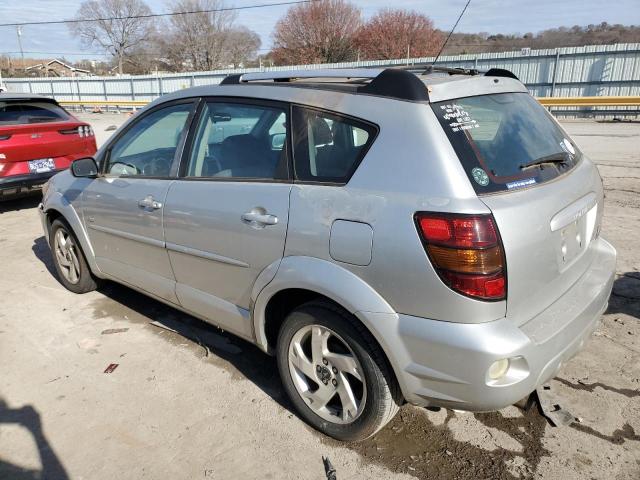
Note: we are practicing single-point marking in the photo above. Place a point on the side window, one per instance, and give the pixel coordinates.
(149, 146)
(328, 147)
(236, 140)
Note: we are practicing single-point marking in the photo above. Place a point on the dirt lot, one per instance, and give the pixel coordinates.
(199, 403)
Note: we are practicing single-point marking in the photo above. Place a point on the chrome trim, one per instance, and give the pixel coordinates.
(206, 255)
(128, 236)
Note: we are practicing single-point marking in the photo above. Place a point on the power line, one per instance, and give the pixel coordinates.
(155, 15)
(101, 54)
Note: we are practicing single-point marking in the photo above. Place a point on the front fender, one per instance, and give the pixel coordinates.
(57, 202)
(326, 278)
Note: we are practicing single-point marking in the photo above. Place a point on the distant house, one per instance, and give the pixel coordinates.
(56, 68)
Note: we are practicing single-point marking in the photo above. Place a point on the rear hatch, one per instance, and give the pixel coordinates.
(545, 196)
(37, 130)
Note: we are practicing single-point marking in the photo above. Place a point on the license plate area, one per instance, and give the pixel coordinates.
(571, 241)
(41, 165)
(576, 237)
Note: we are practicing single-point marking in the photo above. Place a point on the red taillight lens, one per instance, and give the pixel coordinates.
(480, 286)
(466, 252)
(472, 231)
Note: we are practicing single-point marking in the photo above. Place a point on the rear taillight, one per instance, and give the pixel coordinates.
(466, 251)
(82, 131)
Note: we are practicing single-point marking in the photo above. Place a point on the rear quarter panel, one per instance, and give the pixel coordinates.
(410, 167)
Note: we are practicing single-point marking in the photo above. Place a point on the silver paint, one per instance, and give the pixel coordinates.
(215, 250)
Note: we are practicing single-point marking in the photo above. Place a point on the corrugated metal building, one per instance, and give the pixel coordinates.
(597, 70)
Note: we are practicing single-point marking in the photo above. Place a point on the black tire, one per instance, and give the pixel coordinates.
(382, 392)
(86, 282)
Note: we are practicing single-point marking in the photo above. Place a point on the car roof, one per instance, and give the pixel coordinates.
(414, 84)
(11, 96)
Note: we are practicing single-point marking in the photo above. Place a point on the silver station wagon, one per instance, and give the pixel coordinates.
(429, 237)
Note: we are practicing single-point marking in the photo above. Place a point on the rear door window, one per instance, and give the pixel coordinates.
(240, 141)
(506, 141)
(19, 113)
(328, 147)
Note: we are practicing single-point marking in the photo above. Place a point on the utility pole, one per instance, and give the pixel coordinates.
(19, 32)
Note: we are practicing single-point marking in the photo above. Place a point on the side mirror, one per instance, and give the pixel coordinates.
(84, 168)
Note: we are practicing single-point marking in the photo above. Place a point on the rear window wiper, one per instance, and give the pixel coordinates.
(560, 157)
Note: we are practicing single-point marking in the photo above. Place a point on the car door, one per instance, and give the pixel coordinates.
(226, 216)
(123, 206)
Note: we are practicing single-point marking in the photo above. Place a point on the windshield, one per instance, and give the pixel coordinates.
(506, 141)
(18, 113)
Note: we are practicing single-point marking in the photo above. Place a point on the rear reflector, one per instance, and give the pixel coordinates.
(466, 251)
(480, 286)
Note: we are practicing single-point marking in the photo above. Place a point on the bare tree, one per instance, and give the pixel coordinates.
(118, 35)
(398, 33)
(317, 32)
(207, 40)
(242, 45)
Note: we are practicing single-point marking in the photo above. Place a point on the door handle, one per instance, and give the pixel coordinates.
(150, 203)
(259, 218)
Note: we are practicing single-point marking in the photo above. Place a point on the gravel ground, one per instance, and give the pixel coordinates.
(189, 401)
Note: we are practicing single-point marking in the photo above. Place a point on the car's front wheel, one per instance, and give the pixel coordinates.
(334, 372)
(69, 260)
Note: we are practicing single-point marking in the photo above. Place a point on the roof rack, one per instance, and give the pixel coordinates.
(401, 83)
(500, 72)
(450, 70)
(492, 72)
(289, 75)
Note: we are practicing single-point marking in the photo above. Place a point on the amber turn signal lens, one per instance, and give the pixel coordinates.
(467, 260)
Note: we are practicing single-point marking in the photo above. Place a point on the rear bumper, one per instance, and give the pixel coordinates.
(16, 185)
(446, 364)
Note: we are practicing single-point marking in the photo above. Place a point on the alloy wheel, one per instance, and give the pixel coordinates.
(67, 256)
(326, 374)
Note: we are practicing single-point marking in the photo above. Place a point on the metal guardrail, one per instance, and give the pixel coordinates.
(604, 101)
(621, 101)
(103, 103)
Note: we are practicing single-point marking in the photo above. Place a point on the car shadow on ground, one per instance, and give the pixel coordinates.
(22, 203)
(42, 252)
(241, 358)
(29, 418)
(625, 297)
(225, 349)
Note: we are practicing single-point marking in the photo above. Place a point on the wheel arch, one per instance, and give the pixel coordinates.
(301, 279)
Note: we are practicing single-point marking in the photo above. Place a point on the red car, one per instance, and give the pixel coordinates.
(38, 138)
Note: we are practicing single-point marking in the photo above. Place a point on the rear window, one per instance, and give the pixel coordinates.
(506, 141)
(18, 113)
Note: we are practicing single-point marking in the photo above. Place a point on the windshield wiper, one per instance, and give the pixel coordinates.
(560, 157)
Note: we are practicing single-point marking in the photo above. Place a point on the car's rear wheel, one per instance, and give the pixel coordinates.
(334, 372)
(69, 260)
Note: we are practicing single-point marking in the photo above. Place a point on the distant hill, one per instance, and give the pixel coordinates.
(600, 34)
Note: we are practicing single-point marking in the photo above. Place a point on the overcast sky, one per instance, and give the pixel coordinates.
(495, 16)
